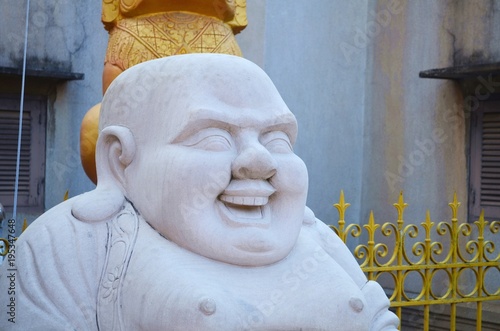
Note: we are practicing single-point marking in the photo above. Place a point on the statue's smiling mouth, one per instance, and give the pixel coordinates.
(245, 212)
(244, 203)
(243, 215)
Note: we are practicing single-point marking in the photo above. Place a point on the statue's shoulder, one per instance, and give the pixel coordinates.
(57, 217)
(60, 219)
(321, 233)
(316, 230)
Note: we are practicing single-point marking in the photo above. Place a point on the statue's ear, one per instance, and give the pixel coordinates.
(114, 151)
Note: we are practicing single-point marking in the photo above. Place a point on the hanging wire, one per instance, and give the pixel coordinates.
(21, 110)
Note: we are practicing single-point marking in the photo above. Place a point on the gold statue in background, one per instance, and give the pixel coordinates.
(142, 30)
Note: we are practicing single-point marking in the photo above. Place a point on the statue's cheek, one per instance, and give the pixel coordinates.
(291, 175)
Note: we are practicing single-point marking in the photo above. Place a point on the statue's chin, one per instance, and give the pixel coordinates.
(254, 252)
(232, 233)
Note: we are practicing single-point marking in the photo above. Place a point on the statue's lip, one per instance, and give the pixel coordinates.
(244, 202)
(245, 215)
(247, 192)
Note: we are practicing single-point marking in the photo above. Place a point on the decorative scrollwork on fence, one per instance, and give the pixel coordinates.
(6, 243)
(428, 263)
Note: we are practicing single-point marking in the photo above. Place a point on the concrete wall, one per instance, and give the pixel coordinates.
(65, 36)
(473, 26)
(73, 99)
(412, 144)
(416, 130)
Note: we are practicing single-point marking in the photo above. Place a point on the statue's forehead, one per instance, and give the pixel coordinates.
(237, 116)
(222, 91)
(232, 99)
(178, 91)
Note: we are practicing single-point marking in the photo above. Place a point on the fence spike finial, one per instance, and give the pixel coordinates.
(400, 206)
(341, 206)
(454, 206)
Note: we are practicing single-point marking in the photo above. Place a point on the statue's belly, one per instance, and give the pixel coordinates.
(290, 296)
(308, 290)
(320, 297)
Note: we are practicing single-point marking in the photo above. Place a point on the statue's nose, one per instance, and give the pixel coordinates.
(254, 162)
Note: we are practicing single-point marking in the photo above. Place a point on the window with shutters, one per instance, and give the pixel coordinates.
(485, 161)
(32, 156)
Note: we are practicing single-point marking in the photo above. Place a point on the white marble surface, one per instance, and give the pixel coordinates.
(198, 221)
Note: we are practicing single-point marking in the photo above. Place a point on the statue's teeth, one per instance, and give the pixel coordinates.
(244, 201)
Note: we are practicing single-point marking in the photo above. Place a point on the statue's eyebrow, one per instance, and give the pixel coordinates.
(207, 118)
(288, 127)
(196, 125)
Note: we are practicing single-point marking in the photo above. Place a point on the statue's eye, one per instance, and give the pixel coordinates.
(215, 140)
(277, 142)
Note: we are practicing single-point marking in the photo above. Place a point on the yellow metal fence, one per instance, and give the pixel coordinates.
(426, 264)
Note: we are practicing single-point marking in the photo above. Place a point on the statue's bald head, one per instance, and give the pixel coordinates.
(151, 96)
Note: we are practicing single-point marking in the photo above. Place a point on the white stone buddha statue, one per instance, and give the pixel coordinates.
(198, 221)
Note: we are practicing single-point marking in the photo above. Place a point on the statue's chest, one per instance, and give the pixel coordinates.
(305, 291)
(304, 295)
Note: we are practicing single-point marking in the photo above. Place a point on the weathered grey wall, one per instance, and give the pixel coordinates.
(64, 36)
(412, 144)
(57, 32)
(416, 129)
(474, 27)
(73, 99)
(251, 40)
